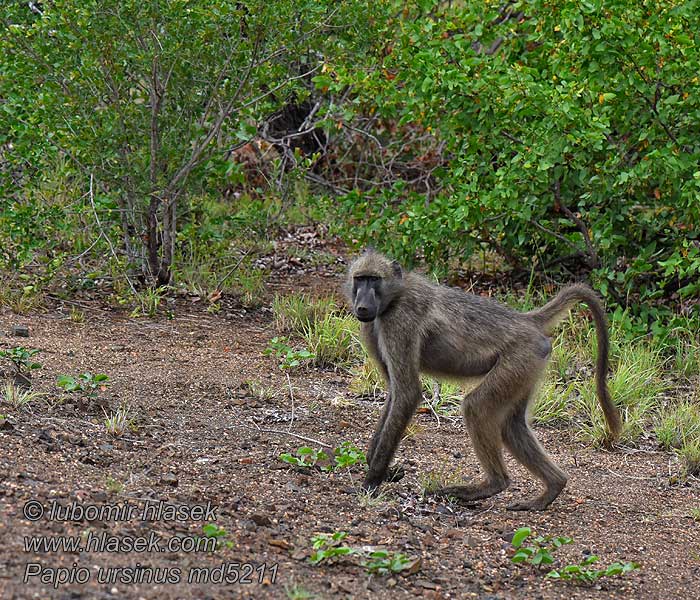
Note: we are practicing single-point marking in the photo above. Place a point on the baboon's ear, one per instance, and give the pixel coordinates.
(396, 268)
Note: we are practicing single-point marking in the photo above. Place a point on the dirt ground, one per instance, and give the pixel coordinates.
(205, 443)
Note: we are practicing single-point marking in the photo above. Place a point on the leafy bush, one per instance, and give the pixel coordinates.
(143, 105)
(555, 130)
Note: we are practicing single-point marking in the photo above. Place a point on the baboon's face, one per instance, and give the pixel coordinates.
(366, 297)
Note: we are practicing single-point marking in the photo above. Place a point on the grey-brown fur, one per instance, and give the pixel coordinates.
(414, 326)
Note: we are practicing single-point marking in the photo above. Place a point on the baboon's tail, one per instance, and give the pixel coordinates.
(549, 316)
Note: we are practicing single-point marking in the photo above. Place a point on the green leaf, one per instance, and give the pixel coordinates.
(520, 535)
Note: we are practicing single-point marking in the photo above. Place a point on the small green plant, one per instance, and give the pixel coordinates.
(344, 456)
(375, 561)
(347, 454)
(296, 592)
(17, 397)
(583, 574)
(87, 383)
(328, 547)
(118, 422)
(289, 357)
(76, 315)
(540, 551)
(383, 562)
(305, 457)
(695, 514)
(211, 530)
(114, 486)
(148, 301)
(21, 359)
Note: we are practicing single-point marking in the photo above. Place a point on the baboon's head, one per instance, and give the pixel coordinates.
(374, 282)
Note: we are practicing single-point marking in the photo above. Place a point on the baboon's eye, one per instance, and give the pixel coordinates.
(373, 279)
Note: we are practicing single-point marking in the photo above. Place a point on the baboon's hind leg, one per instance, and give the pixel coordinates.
(521, 442)
(483, 421)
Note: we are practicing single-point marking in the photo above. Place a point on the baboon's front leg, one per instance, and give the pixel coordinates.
(395, 472)
(405, 394)
(378, 431)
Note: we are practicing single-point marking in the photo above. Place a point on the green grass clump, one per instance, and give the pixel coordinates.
(295, 313)
(333, 340)
(250, 286)
(689, 454)
(686, 358)
(17, 397)
(332, 337)
(678, 430)
(554, 403)
(636, 386)
(678, 424)
(366, 380)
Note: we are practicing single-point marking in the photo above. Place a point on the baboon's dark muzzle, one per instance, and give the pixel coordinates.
(365, 314)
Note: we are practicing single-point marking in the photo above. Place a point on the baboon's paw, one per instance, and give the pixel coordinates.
(396, 472)
(371, 484)
(468, 493)
(535, 504)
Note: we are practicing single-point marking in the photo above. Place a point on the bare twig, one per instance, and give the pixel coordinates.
(291, 395)
(286, 433)
(434, 401)
(233, 269)
(102, 231)
(593, 255)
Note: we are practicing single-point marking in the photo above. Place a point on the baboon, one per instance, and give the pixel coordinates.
(411, 326)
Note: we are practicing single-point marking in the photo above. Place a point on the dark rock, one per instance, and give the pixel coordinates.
(21, 380)
(261, 520)
(20, 331)
(169, 479)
